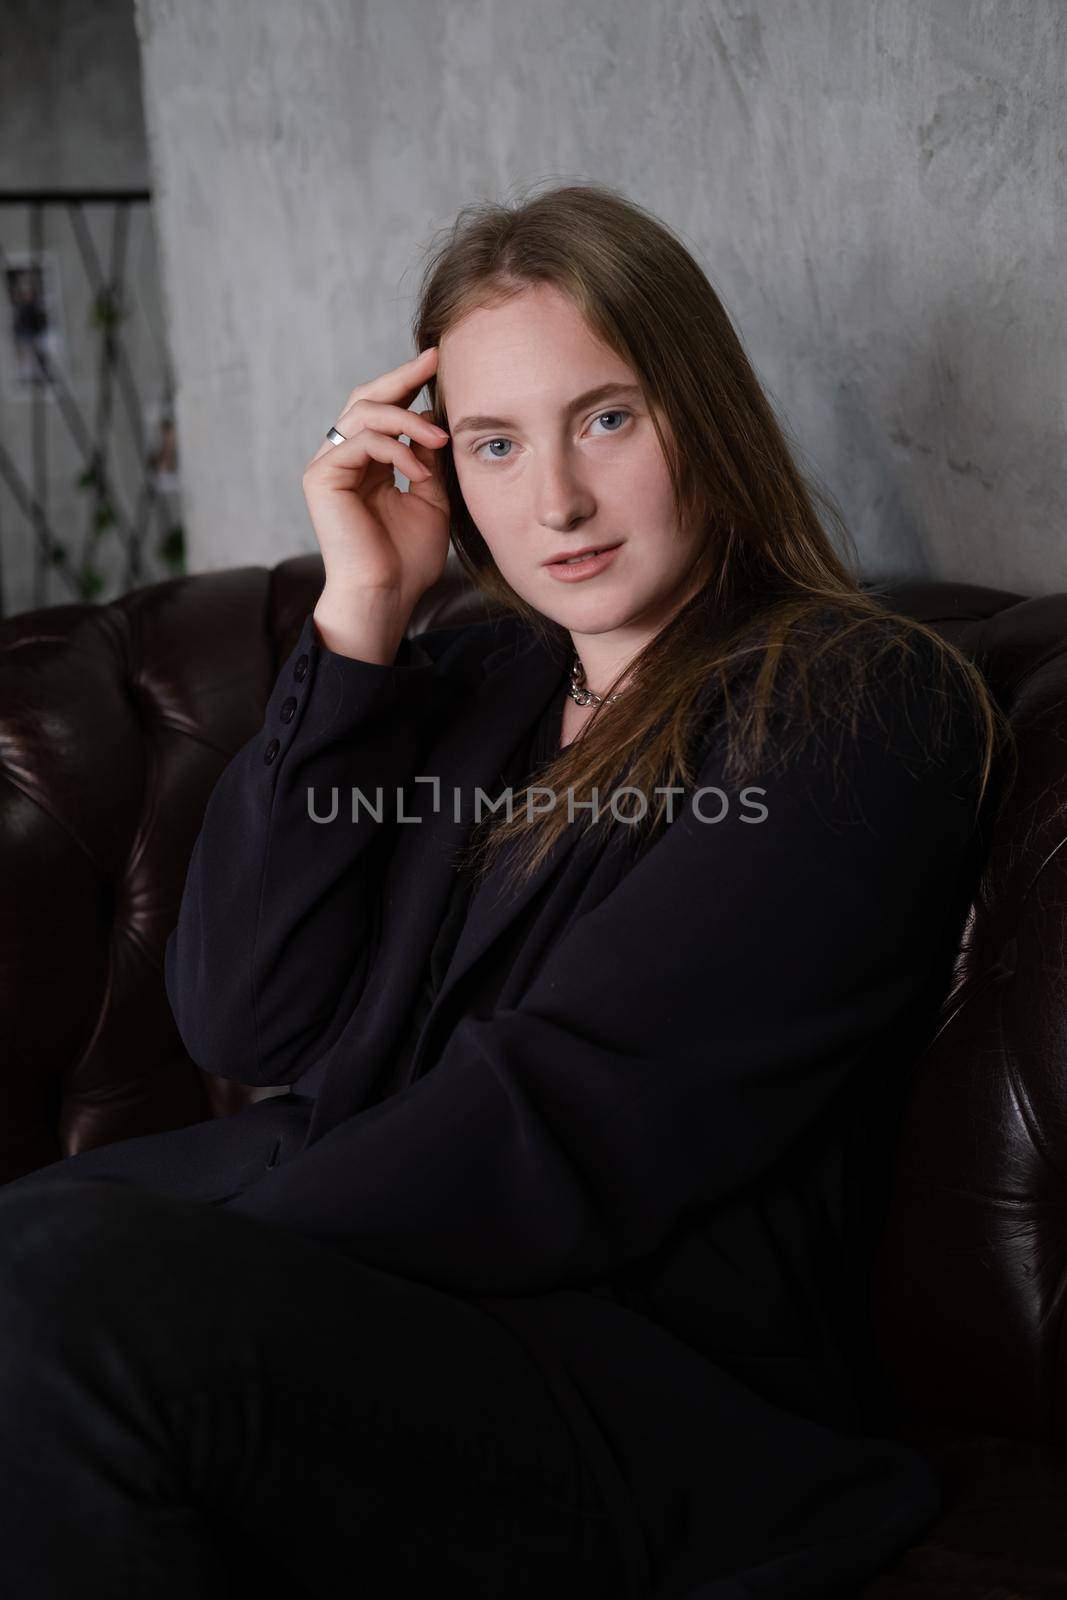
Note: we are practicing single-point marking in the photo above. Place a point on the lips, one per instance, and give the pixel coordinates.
(583, 568)
(588, 550)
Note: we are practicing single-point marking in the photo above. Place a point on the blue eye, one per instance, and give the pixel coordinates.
(612, 414)
(485, 445)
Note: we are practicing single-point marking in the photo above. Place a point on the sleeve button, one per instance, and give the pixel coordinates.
(300, 668)
(288, 707)
(271, 751)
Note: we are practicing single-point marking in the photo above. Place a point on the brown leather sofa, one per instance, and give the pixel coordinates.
(115, 722)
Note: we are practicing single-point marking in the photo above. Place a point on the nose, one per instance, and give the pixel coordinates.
(563, 500)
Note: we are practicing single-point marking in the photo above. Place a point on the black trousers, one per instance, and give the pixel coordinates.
(194, 1405)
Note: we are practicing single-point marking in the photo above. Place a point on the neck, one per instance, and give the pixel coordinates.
(605, 655)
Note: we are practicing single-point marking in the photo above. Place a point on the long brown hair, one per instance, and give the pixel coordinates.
(769, 579)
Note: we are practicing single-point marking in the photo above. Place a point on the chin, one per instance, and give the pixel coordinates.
(595, 618)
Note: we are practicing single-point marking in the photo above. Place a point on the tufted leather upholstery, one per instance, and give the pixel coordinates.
(115, 722)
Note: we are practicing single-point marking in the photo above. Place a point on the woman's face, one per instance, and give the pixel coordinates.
(546, 472)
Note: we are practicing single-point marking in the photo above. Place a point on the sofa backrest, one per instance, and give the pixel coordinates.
(115, 722)
(969, 1287)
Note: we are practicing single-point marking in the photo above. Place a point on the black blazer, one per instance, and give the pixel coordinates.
(649, 1159)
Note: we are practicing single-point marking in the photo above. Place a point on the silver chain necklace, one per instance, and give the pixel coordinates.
(584, 697)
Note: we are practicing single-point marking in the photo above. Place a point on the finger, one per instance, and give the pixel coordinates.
(431, 488)
(415, 372)
(363, 447)
(392, 419)
(387, 420)
(428, 455)
(402, 382)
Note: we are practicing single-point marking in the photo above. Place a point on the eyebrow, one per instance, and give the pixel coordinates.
(603, 391)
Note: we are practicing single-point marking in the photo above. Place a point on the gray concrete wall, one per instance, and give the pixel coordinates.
(876, 191)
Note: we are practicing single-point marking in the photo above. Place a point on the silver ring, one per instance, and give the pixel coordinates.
(335, 437)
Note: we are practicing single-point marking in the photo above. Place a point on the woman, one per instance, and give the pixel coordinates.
(547, 1274)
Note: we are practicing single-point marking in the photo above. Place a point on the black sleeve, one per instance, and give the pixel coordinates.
(266, 951)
